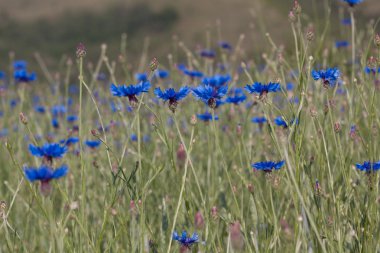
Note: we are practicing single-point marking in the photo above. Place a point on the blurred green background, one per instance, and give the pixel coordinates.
(54, 27)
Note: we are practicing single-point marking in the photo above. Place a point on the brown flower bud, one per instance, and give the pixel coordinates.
(23, 118)
(81, 50)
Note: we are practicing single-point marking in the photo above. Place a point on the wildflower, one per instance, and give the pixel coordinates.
(58, 110)
(268, 166)
(225, 45)
(55, 123)
(192, 73)
(141, 77)
(45, 175)
(92, 144)
(210, 95)
(23, 76)
(207, 116)
(48, 151)
(216, 80)
(238, 97)
(259, 120)
(368, 167)
(185, 241)
(70, 141)
(263, 89)
(72, 118)
(40, 109)
(172, 96)
(369, 70)
(130, 91)
(81, 50)
(328, 76)
(134, 137)
(352, 3)
(162, 74)
(341, 43)
(20, 64)
(207, 53)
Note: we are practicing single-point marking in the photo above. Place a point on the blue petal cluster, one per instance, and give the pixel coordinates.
(328, 76)
(92, 144)
(172, 96)
(209, 94)
(367, 166)
(263, 89)
(259, 120)
(237, 98)
(268, 165)
(216, 80)
(184, 240)
(352, 3)
(207, 116)
(44, 173)
(130, 91)
(48, 150)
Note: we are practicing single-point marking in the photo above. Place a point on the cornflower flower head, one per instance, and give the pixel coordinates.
(130, 91)
(55, 123)
(22, 76)
(207, 116)
(172, 96)
(208, 53)
(237, 98)
(45, 174)
(368, 166)
(259, 120)
(48, 151)
(184, 240)
(352, 3)
(263, 89)
(192, 73)
(141, 77)
(329, 76)
(162, 74)
(216, 80)
(369, 70)
(341, 44)
(72, 118)
(20, 64)
(279, 121)
(268, 166)
(225, 45)
(92, 144)
(58, 110)
(40, 109)
(209, 94)
(70, 141)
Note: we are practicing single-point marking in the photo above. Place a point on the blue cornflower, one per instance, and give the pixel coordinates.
(328, 76)
(72, 118)
(23, 76)
(207, 116)
(20, 64)
(2, 75)
(13, 103)
(238, 97)
(369, 70)
(341, 43)
(48, 151)
(279, 121)
(290, 86)
(134, 137)
(58, 110)
(210, 95)
(263, 89)
(184, 240)
(259, 120)
(162, 74)
(193, 73)
(92, 144)
(216, 80)
(130, 91)
(40, 109)
(352, 3)
(55, 123)
(225, 45)
(44, 173)
(368, 167)
(141, 77)
(172, 96)
(208, 53)
(70, 141)
(268, 166)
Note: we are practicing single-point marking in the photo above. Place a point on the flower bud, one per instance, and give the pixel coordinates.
(23, 118)
(81, 50)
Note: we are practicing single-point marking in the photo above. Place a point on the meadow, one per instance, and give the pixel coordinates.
(211, 149)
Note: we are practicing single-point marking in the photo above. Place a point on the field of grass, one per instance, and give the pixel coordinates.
(121, 170)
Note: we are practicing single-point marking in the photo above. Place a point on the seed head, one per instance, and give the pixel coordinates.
(81, 50)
